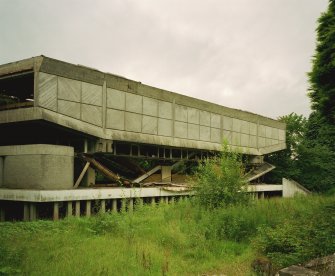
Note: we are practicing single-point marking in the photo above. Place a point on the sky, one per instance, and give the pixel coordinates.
(244, 54)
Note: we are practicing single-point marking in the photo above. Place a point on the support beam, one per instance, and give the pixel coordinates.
(146, 175)
(55, 211)
(69, 209)
(114, 205)
(77, 208)
(32, 211)
(25, 211)
(131, 205)
(166, 173)
(81, 176)
(103, 206)
(88, 208)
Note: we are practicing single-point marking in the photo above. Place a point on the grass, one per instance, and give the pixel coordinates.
(179, 239)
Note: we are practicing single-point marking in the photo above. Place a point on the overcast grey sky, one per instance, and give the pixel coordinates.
(247, 54)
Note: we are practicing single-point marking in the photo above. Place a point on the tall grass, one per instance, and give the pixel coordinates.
(174, 239)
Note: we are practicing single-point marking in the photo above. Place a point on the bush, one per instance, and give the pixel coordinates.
(219, 181)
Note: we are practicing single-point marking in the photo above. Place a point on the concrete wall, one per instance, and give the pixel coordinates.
(44, 167)
(292, 188)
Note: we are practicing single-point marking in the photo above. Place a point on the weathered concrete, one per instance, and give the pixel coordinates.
(55, 211)
(37, 167)
(112, 107)
(292, 188)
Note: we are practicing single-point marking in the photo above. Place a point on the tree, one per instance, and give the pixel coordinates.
(322, 76)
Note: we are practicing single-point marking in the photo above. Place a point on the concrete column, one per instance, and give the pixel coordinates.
(88, 208)
(25, 211)
(166, 173)
(69, 209)
(77, 208)
(114, 205)
(89, 178)
(262, 195)
(55, 211)
(166, 200)
(2, 214)
(172, 200)
(103, 206)
(32, 211)
(153, 202)
(131, 205)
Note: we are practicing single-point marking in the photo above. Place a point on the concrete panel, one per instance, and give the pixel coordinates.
(134, 103)
(205, 133)
(245, 127)
(71, 109)
(268, 142)
(281, 134)
(91, 94)
(193, 116)
(69, 90)
(261, 142)
(47, 91)
(149, 125)
(116, 99)
(91, 114)
(39, 171)
(253, 141)
(216, 135)
(261, 131)
(237, 125)
(133, 122)
(164, 127)
(180, 129)
(193, 131)
(180, 113)
(165, 110)
(268, 132)
(215, 120)
(236, 138)
(227, 123)
(115, 119)
(150, 106)
(205, 118)
(227, 136)
(274, 133)
(253, 129)
(274, 142)
(244, 140)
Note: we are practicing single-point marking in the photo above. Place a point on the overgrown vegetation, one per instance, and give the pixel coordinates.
(172, 239)
(219, 180)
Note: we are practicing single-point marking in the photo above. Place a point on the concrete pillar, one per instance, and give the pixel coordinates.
(89, 178)
(166, 173)
(262, 195)
(172, 200)
(140, 201)
(153, 201)
(166, 200)
(69, 209)
(2, 214)
(114, 205)
(103, 206)
(55, 211)
(25, 211)
(131, 205)
(88, 208)
(77, 208)
(32, 211)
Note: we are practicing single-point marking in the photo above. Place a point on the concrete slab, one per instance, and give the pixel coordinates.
(91, 94)
(193, 115)
(205, 118)
(216, 135)
(205, 133)
(68, 108)
(150, 106)
(215, 120)
(180, 113)
(165, 110)
(245, 127)
(69, 90)
(244, 140)
(133, 122)
(149, 125)
(116, 99)
(115, 119)
(47, 91)
(237, 125)
(193, 132)
(180, 129)
(164, 127)
(134, 103)
(227, 123)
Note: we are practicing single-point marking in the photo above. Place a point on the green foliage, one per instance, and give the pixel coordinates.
(219, 180)
(286, 160)
(322, 90)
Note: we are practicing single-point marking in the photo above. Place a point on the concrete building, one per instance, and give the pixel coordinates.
(53, 112)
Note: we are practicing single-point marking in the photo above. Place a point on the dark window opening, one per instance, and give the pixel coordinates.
(17, 90)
